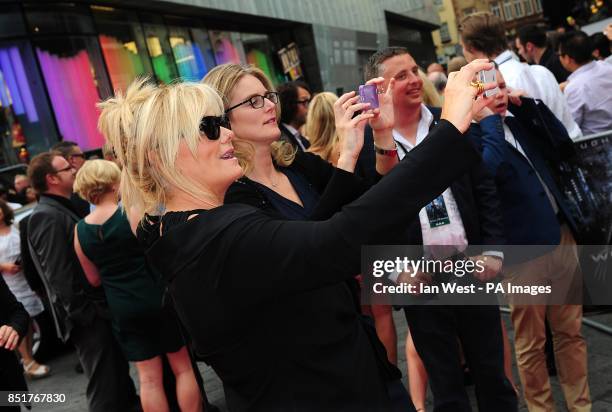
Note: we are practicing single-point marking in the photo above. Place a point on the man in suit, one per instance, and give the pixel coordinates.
(294, 101)
(465, 214)
(79, 311)
(535, 213)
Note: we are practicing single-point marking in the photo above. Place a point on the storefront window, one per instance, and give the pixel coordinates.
(228, 47)
(123, 46)
(188, 56)
(159, 48)
(258, 52)
(74, 74)
(25, 119)
(200, 37)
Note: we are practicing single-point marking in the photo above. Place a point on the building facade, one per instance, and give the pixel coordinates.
(57, 59)
(514, 13)
(446, 38)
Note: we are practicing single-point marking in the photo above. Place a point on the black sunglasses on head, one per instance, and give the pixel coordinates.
(211, 126)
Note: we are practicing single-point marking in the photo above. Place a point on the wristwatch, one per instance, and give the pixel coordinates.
(385, 152)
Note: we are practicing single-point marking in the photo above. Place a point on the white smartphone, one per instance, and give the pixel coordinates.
(489, 76)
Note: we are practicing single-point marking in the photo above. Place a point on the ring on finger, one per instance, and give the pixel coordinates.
(478, 85)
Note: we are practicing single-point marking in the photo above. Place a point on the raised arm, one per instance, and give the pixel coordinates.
(272, 257)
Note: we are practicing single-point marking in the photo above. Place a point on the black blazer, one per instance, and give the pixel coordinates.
(287, 136)
(51, 243)
(231, 269)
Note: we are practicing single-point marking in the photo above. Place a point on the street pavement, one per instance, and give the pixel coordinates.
(65, 380)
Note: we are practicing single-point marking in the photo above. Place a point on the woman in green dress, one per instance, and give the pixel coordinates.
(112, 257)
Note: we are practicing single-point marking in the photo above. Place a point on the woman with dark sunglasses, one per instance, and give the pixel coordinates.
(231, 268)
(297, 185)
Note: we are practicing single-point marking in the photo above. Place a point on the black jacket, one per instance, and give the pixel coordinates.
(13, 314)
(231, 268)
(51, 241)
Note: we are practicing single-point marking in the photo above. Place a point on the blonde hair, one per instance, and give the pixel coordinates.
(145, 128)
(224, 79)
(95, 178)
(431, 97)
(321, 125)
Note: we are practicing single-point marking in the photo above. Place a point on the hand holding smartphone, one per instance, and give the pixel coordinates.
(368, 93)
(489, 76)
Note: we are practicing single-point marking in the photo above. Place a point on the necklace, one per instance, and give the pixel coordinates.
(273, 183)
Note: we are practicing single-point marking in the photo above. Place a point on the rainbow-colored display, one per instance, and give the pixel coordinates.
(123, 62)
(14, 86)
(74, 95)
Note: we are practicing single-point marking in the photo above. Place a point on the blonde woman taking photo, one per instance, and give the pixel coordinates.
(230, 267)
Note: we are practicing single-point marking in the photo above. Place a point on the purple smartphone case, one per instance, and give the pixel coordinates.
(369, 94)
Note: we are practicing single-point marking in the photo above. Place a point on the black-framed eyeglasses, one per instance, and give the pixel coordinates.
(257, 101)
(81, 155)
(305, 102)
(65, 169)
(211, 126)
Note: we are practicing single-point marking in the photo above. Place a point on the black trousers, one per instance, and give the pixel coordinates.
(109, 386)
(437, 331)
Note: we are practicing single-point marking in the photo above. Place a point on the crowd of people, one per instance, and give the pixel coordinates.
(226, 222)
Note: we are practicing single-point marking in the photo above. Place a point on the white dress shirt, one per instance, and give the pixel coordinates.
(589, 96)
(538, 82)
(451, 234)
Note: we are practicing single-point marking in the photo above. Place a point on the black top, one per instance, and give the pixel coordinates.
(231, 268)
(288, 208)
(12, 313)
(334, 187)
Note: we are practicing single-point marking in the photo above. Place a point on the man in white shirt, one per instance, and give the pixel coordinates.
(466, 212)
(589, 88)
(483, 37)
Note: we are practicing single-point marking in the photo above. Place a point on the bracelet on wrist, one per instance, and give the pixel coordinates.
(385, 152)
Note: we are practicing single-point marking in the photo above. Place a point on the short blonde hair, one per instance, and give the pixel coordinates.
(224, 79)
(321, 125)
(95, 178)
(145, 128)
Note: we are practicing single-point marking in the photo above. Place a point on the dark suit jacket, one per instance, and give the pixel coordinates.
(287, 136)
(51, 242)
(528, 216)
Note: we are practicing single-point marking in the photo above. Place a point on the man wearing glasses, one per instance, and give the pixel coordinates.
(75, 156)
(79, 310)
(294, 100)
